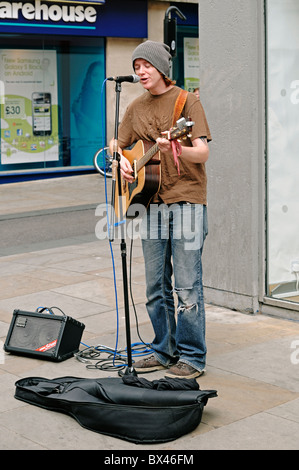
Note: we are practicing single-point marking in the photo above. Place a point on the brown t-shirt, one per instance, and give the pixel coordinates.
(149, 115)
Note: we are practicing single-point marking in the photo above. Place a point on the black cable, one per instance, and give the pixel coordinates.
(114, 360)
(49, 309)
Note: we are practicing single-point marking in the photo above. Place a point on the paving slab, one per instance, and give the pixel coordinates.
(252, 360)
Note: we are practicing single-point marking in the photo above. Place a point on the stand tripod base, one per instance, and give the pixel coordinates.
(128, 371)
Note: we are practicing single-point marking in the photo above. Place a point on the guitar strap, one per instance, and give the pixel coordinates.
(179, 105)
(178, 108)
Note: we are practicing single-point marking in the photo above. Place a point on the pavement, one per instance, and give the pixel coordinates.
(253, 360)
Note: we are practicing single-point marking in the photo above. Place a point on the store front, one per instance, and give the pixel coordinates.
(282, 41)
(52, 70)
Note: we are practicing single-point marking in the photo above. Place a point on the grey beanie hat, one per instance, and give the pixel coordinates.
(156, 53)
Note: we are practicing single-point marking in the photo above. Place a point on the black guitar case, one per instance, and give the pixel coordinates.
(138, 411)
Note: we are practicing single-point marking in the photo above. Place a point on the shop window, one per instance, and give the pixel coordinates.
(186, 62)
(51, 113)
(185, 68)
(282, 152)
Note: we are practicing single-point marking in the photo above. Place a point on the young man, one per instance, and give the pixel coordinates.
(172, 241)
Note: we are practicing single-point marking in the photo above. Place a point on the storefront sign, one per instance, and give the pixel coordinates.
(117, 18)
(44, 12)
(82, 1)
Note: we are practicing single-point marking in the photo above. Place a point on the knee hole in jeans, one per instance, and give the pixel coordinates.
(182, 294)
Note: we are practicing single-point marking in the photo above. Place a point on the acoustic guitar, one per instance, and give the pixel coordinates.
(145, 161)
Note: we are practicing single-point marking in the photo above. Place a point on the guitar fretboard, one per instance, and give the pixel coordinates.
(174, 133)
(147, 156)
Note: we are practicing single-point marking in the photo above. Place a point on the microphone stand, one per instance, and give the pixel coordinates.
(123, 246)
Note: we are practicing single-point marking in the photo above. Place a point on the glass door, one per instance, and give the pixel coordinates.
(283, 149)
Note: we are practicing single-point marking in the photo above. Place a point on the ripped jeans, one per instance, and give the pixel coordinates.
(172, 239)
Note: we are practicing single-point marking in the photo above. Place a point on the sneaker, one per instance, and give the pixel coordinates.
(149, 364)
(183, 371)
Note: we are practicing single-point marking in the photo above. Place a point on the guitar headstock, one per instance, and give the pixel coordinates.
(182, 128)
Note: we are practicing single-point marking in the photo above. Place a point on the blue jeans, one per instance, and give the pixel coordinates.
(172, 240)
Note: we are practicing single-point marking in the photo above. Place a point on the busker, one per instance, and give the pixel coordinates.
(172, 242)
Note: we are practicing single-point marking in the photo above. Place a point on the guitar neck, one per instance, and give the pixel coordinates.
(183, 128)
(147, 156)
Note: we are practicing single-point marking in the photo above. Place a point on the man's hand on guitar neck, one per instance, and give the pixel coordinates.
(164, 145)
(197, 153)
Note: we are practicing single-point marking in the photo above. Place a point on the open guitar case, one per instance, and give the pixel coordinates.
(132, 409)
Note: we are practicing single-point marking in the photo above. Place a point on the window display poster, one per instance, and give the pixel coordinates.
(29, 107)
(87, 122)
(191, 63)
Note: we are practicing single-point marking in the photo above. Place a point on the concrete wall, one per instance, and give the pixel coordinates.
(231, 62)
(118, 62)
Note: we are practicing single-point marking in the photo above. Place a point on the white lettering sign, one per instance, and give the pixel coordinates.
(41, 11)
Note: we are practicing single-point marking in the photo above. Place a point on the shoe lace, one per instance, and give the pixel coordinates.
(149, 358)
(182, 365)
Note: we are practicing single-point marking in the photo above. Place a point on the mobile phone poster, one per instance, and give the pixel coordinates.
(29, 106)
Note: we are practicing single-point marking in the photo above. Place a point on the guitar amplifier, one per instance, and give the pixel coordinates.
(43, 336)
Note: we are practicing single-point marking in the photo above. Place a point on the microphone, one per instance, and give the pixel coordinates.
(127, 78)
